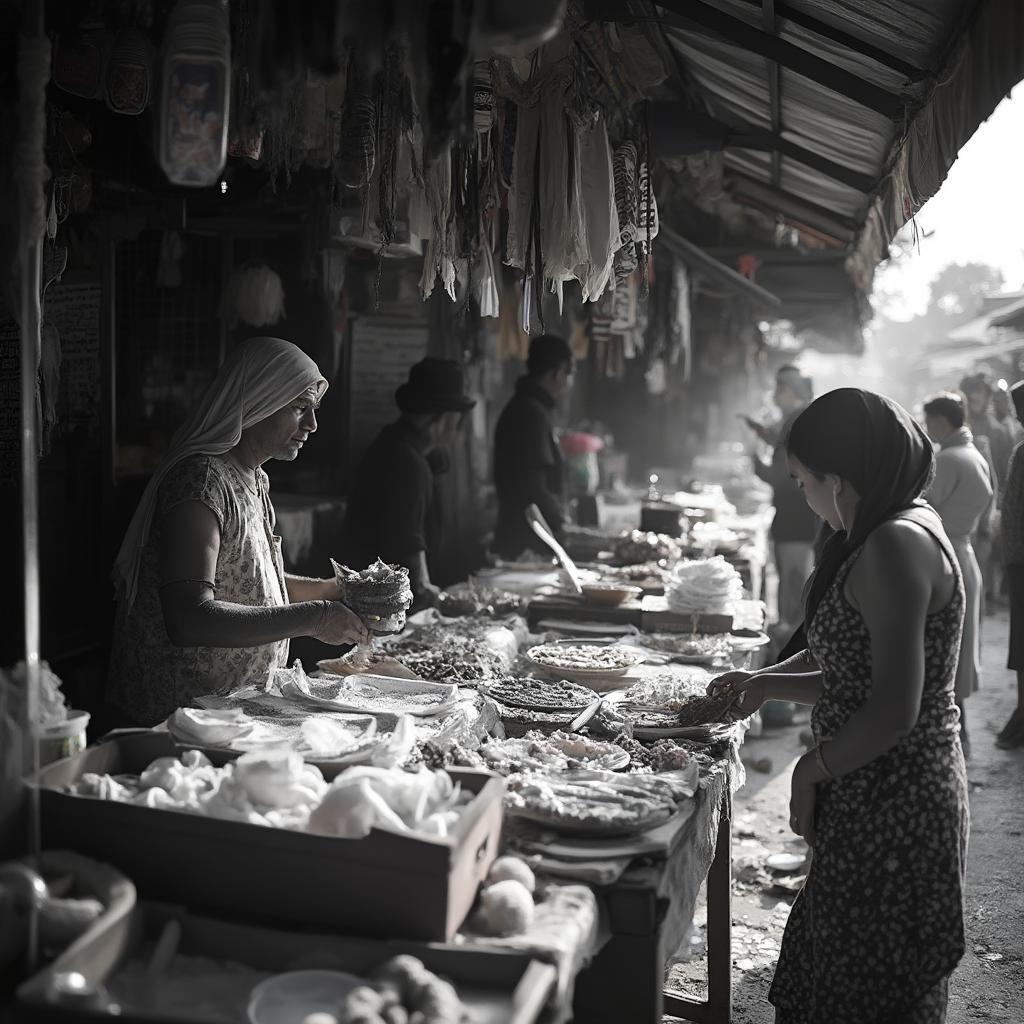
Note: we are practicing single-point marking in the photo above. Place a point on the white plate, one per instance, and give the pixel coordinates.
(585, 674)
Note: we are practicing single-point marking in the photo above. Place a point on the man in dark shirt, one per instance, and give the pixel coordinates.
(527, 460)
(795, 526)
(390, 502)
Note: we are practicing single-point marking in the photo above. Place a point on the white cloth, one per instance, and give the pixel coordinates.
(258, 379)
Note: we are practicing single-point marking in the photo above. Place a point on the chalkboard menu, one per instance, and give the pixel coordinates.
(383, 349)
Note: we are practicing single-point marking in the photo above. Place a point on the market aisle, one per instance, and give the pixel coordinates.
(989, 984)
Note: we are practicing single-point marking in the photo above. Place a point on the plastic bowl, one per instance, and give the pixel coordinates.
(64, 738)
(609, 594)
(290, 998)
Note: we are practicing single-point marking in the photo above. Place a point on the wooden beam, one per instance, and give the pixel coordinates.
(776, 200)
(697, 16)
(761, 140)
(677, 130)
(849, 42)
(774, 91)
(698, 260)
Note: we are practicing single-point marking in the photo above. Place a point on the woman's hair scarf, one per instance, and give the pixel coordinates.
(876, 445)
(260, 377)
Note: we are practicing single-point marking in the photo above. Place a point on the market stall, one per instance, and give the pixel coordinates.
(463, 780)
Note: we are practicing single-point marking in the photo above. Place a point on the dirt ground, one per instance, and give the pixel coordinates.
(988, 986)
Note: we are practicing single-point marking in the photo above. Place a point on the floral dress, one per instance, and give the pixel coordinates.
(878, 927)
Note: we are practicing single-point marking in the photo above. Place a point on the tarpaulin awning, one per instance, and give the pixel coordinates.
(841, 117)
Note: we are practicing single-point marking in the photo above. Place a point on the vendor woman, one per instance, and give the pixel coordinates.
(204, 603)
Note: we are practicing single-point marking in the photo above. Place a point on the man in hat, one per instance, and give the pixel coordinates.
(390, 501)
(527, 461)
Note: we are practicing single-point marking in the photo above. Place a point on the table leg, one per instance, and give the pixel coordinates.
(717, 1009)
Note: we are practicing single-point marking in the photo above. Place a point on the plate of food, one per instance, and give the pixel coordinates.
(557, 752)
(375, 695)
(541, 694)
(582, 660)
(695, 649)
(595, 803)
(693, 716)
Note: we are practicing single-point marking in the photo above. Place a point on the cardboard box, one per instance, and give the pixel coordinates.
(655, 617)
(497, 986)
(385, 885)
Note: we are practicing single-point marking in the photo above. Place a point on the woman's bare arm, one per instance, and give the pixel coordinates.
(189, 546)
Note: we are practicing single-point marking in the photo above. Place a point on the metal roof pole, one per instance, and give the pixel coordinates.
(774, 91)
(30, 174)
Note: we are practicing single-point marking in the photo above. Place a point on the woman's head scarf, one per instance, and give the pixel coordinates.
(876, 445)
(260, 377)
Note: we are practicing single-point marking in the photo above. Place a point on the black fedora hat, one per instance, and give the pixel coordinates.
(434, 386)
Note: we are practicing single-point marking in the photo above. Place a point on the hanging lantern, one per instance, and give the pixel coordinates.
(195, 93)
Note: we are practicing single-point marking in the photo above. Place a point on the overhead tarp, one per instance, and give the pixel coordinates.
(886, 92)
(988, 62)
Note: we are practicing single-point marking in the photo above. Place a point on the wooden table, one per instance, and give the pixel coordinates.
(625, 982)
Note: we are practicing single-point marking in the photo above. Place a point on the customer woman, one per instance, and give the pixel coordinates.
(204, 603)
(882, 797)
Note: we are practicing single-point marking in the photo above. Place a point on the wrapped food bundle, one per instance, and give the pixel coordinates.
(379, 594)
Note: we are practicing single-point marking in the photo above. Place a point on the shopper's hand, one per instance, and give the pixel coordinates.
(340, 625)
(802, 798)
(748, 687)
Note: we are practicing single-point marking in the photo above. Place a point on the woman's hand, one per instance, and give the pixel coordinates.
(340, 625)
(747, 686)
(802, 798)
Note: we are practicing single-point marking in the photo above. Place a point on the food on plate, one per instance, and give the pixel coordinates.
(585, 657)
(704, 585)
(506, 908)
(678, 712)
(660, 756)
(380, 593)
(639, 573)
(368, 694)
(668, 691)
(556, 752)
(512, 867)
(448, 659)
(699, 646)
(599, 803)
(644, 546)
(477, 599)
(543, 694)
